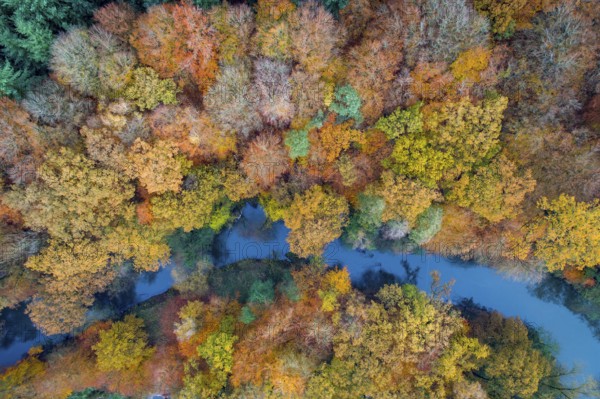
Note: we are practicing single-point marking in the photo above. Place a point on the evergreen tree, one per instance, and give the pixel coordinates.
(27, 30)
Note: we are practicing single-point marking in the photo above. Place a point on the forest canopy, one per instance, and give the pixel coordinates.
(371, 121)
(452, 125)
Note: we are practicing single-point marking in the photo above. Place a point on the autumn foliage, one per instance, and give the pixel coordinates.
(449, 124)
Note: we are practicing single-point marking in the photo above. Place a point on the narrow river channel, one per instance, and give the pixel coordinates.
(249, 238)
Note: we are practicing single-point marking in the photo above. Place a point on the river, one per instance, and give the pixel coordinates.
(251, 237)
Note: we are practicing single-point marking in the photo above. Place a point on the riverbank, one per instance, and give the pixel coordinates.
(252, 237)
(251, 298)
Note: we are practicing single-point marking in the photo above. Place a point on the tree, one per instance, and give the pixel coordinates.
(217, 352)
(72, 198)
(175, 40)
(404, 199)
(196, 44)
(470, 64)
(506, 16)
(336, 284)
(395, 230)
(21, 143)
(298, 142)
(108, 150)
(145, 245)
(432, 82)
(123, 346)
(347, 104)
(552, 58)
(65, 262)
(193, 207)
(470, 133)
(195, 281)
(557, 49)
(92, 61)
(246, 315)
(153, 37)
(116, 18)
(272, 82)
(402, 122)
(13, 82)
(328, 142)
(494, 191)
(26, 41)
(427, 225)
(158, 166)
(335, 6)
(451, 27)
(501, 14)
(52, 104)
(403, 335)
(515, 367)
(314, 36)
(91, 393)
(237, 185)
(571, 236)
(455, 137)
(147, 90)
(272, 36)
(469, 390)
(205, 4)
(194, 132)
(416, 157)
(365, 221)
(232, 102)
(235, 24)
(375, 60)
(265, 160)
(262, 292)
(308, 96)
(315, 218)
(14, 378)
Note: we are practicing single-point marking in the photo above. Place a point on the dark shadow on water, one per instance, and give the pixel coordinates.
(373, 279)
(555, 290)
(16, 326)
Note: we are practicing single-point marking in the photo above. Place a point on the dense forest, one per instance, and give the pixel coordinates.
(469, 128)
(279, 330)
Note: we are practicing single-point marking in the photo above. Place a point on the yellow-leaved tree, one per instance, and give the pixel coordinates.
(316, 218)
(405, 199)
(494, 191)
(572, 233)
(124, 346)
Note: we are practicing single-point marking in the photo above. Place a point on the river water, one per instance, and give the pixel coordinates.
(251, 237)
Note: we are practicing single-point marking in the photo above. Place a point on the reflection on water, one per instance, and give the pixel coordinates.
(578, 339)
(18, 334)
(550, 305)
(16, 327)
(553, 289)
